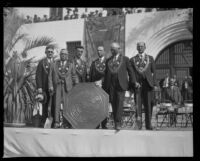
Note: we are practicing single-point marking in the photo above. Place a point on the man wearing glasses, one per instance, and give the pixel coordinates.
(42, 73)
(80, 65)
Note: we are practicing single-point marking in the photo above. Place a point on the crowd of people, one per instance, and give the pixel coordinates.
(74, 14)
(115, 75)
(172, 89)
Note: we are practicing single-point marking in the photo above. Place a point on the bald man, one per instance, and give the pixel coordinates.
(144, 69)
(62, 78)
(118, 75)
(97, 72)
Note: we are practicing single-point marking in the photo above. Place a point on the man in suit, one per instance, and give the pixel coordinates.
(97, 72)
(187, 88)
(144, 68)
(116, 81)
(165, 87)
(80, 65)
(176, 82)
(175, 97)
(62, 78)
(42, 73)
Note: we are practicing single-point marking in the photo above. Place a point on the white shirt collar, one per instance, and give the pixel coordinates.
(49, 60)
(63, 62)
(102, 59)
(116, 56)
(143, 54)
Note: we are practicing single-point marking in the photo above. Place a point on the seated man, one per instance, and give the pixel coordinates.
(175, 97)
(174, 93)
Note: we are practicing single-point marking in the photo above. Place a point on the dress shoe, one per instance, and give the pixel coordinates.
(150, 128)
(117, 126)
(56, 125)
(104, 127)
(139, 124)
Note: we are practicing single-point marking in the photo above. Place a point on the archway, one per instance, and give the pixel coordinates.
(175, 59)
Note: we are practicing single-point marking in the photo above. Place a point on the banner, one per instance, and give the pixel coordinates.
(102, 31)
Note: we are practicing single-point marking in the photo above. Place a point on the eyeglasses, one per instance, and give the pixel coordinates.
(49, 51)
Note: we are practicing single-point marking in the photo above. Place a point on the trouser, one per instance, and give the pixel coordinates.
(185, 95)
(144, 97)
(117, 104)
(165, 94)
(45, 109)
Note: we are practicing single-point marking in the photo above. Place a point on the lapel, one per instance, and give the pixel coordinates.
(100, 66)
(46, 65)
(79, 67)
(114, 65)
(141, 65)
(62, 69)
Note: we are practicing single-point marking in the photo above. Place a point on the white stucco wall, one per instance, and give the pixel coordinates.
(60, 31)
(156, 29)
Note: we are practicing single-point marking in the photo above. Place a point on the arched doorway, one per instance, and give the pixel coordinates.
(175, 59)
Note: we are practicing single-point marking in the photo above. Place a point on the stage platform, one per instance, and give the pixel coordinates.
(36, 142)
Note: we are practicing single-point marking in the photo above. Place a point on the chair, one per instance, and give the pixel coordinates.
(110, 120)
(188, 112)
(129, 112)
(163, 110)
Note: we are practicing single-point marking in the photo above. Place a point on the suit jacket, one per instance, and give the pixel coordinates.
(81, 71)
(147, 72)
(124, 73)
(97, 70)
(174, 95)
(65, 74)
(42, 73)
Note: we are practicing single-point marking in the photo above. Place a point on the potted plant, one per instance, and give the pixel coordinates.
(19, 82)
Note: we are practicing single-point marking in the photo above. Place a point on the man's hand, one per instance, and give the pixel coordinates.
(39, 90)
(137, 85)
(98, 83)
(51, 90)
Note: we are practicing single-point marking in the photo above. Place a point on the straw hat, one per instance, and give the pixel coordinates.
(41, 97)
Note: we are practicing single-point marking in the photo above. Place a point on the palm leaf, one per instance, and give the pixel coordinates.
(18, 38)
(38, 42)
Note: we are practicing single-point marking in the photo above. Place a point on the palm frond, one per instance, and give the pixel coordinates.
(18, 38)
(38, 42)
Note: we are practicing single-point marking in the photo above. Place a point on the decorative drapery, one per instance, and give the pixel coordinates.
(103, 31)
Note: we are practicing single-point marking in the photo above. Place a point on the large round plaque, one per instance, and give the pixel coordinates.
(87, 106)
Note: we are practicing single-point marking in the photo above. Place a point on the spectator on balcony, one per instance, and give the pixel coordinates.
(92, 14)
(76, 15)
(28, 19)
(38, 19)
(96, 14)
(45, 19)
(83, 15)
(35, 18)
(67, 16)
